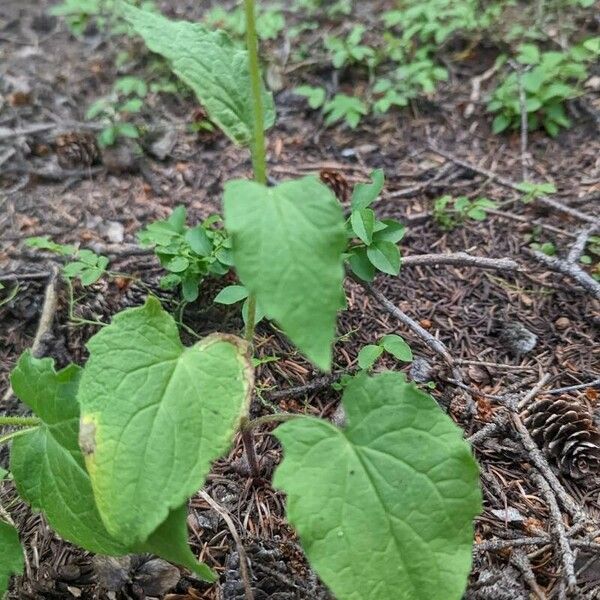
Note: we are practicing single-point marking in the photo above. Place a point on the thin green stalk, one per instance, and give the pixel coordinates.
(259, 160)
(19, 421)
(14, 434)
(258, 148)
(266, 419)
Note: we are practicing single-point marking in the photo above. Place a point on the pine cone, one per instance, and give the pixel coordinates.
(336, 182)
(564, 428)
(77, 149)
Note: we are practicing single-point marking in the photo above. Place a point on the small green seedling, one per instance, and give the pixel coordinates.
(349, 109)
(532, 190)
(549, 79)
(349, 50)
(315, 95)
(190, 254)
(392, 344)
(373, 242)
(232, 294)
(126, 100)
(85, 265)
(449, 212)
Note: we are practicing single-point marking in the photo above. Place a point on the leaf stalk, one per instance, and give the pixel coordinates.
(18, 421)
(258, 147)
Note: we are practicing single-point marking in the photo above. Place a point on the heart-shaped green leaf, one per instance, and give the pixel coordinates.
(211, 64)
(154, 415)
(49, 471)
(389, 514)
(47, 463)
(287, 249)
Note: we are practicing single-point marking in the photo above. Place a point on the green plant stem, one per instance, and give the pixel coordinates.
(249, 447)
(246, 427)
(258, 148)
(14, 434)
(19, 421)
(266, 419)
(251, 319)
(259, 160)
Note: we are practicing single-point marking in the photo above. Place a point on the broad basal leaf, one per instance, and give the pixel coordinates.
(47, 463)
(49, 470)
(155, 414)
(209, 62)
(388, 515)
(287, 249)
(11, 555)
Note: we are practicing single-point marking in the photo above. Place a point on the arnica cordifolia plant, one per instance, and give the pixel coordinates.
(115, 449)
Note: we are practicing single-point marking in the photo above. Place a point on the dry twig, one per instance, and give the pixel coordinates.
(46, 318)
(579, 246)
(567, 555)
(245, 572)
(567, 268)
(460, 259)
(513, 186)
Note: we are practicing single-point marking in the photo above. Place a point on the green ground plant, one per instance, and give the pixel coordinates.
(189, 254)
(117, 109)
(85, 265)
(450, 212)
(115, 449)
(548, 80)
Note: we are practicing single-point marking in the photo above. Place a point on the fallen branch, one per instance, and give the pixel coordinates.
(15, 276)
(567, 268)
(313, 386)
(433, 343)
(571, 388)
(520, 560)
(567, 556)
(541, 464)
(530, 222)
(579, 246)
(460, 259)
(514, 186)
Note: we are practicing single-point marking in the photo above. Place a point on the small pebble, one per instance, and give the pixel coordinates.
(421, 370)
(518, 339)
(562, 323)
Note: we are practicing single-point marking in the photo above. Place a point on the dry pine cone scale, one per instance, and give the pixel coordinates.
(565, 429)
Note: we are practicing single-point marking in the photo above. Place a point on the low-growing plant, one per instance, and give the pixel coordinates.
(269, 22)
(115, 449)
(437, 20)
(449, 212)
(349, 109)
(372, 242)
(126, 99)
(417, 77)
(532, 190)
(392, 344)
(548, 81)
(190, 254)
(316, 96)
(85, 265)
(350, 50)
